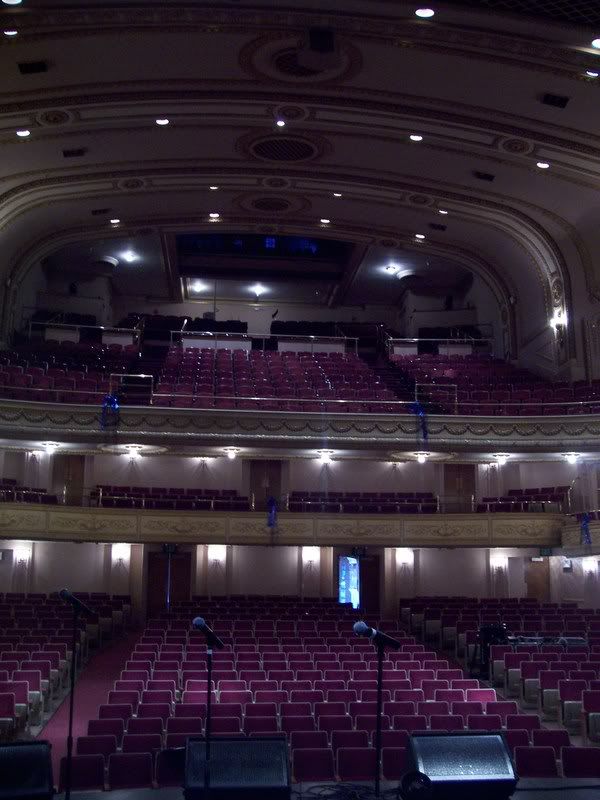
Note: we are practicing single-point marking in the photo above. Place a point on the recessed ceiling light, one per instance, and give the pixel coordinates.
(424, 13)
(258, 289)
(10, 33)
(213, 188)
(280, 123)
(595, 43)
(23, 134)
(214, 215)
(416, 137)
(324, 221)
(115, 221)
(162, 121)
(543, 165)
(129, 256)
(591, 73)
(419, 236)
(442, 211)
(12, 2)
(337, 194)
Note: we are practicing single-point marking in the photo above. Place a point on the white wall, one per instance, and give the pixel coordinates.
(167, 471)
(363, 476)
(77, 566)
(264, 570)
(461, 571)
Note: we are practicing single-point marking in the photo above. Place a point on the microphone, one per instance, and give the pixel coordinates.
(212, 640)
(77, 604)
(377, 637)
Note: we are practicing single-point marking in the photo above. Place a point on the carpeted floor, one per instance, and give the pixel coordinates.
(91, 690)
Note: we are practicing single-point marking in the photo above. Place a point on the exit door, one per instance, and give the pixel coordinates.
(537, 579)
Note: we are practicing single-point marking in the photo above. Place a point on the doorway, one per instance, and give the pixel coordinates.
(459, 488)
(370, 581)
(265, 482)
(537, 579)
(181, 580)
(68, 477)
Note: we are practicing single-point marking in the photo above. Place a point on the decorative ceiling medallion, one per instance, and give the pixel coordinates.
(271, 203)
(278, 148)
(276, 183)
(55, 116)
(291, 113)
(420, 199)
(517, 146)
(130, 184)
(279, 57)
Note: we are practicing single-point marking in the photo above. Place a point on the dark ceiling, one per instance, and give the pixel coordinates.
(574, 12)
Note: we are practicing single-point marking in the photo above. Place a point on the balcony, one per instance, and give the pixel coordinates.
(33, 521)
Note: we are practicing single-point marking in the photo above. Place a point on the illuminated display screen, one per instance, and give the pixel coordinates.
(349, 581)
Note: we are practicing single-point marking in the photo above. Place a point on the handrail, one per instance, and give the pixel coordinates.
(462, 340)
(309, 338)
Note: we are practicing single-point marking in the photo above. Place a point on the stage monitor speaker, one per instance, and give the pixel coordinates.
(26, 771)
(470, 765)
(240, 769)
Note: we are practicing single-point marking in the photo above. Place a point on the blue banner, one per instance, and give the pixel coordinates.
(109, 416)
(271, 512)
(586, 536)
(418, 410)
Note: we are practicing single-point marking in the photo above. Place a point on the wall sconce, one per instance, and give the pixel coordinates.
(501, 458)
(133, 451)
(217, 554)
(559, 324)
(310, 556)
(231, 452)
(589, 566)
(120, 554)
(50, 447)
(571, 458)
(498, 563)
(422, 457)
(325, 457)
(405, 557)
(22, 554)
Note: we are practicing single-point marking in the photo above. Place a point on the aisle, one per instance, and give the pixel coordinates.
(91, 690)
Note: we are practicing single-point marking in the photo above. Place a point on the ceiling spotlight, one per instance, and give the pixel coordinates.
(337, 194)
(595, 43)
(129, 256)
(213, 188)
(10, 33)
(543, 165)
(422, 457)
(23, 134)
(115, 221)
(214, 215)
(324, 221)
(419, 236)
(424, 13)
(442, 211)
(416, 137)
(258, 289)
(591, 73)
(162, 121)
(571, 458)
(280, 123)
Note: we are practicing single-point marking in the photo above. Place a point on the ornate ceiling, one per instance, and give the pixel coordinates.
(89, 83)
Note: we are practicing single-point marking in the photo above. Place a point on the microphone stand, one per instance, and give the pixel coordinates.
(209, 657)
(380, 652)
(69, 763)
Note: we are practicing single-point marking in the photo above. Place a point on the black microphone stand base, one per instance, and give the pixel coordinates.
(69, 762)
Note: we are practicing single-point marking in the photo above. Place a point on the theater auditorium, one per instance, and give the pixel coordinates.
(299, 399)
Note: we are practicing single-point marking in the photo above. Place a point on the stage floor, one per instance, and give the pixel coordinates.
(527, 789)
